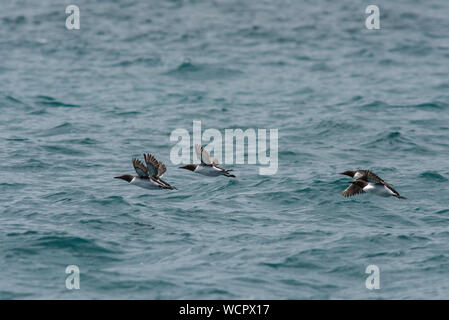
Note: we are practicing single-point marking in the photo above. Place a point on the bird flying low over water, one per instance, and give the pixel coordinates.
(209, 165)
(366, 181)
(149, 176)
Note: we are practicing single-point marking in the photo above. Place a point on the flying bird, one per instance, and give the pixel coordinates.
(209, 165)
(149, 176)
(366, 181)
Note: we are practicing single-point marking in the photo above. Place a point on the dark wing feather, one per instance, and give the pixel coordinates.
(352, 190)
(161, 169)
(156, 168)
(140, 168)
(152, 164)
(371, 177)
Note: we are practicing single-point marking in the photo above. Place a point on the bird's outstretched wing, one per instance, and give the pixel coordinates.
(161, 169)
(140, 168)
(204, 156)
(370, 176)
(352, 190)
(155, 168)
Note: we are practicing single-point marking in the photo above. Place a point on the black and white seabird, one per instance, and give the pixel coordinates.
(149, 176)
(366, 181)
(209, 165)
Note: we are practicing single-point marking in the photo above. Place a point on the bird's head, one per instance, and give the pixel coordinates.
(350, 173)
(190, 167)
(126, 177)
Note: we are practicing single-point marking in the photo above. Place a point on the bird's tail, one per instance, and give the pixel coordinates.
(226, 174)
(400, 197)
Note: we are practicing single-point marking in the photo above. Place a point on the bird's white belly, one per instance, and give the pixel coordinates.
(378, 190)
(208, 171)
(144, 183)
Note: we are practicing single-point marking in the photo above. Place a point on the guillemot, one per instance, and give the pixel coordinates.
(368, 182)
(149, 176)
(209, 165)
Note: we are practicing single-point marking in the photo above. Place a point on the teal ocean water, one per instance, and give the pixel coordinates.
(77, 105)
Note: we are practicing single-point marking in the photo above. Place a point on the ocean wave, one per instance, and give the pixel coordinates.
(189, 70)
(59, 149)
(432, 176)
(395, 140)
(77, 245)
(52, 102)
(146, 62)
(437, 105)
